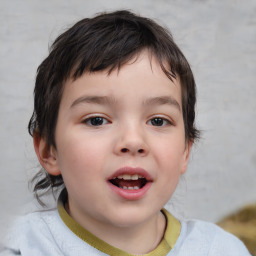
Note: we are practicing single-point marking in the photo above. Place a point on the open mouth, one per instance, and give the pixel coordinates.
(130, 182)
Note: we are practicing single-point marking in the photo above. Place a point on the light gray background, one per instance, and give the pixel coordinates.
(219, 40)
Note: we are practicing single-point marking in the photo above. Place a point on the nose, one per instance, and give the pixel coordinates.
(131, 141)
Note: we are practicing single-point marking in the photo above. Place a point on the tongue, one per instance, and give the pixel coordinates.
(129, 183)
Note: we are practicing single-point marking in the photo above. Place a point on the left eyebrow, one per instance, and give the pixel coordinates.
(163, 101)
(101, 100)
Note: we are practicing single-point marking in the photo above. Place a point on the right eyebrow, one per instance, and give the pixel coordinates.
(101, 100)
(164, 100)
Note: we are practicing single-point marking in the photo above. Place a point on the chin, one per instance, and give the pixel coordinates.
(127, 218)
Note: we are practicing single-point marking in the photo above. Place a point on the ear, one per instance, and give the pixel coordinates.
(186, 156)
(46, 155)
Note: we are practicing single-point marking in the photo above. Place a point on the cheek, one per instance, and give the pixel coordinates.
(80, 156)
(170, 152)
(170, 161)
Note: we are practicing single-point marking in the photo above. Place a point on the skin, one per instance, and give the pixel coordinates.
(87, 155)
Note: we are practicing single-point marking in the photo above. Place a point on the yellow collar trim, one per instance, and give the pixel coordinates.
(170, 237)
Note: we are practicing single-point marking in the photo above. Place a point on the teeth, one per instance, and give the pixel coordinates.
(135, 177)
(130, 188)
(129, 177)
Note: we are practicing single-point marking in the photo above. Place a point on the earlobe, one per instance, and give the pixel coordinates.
(46, 155)
(186, 156)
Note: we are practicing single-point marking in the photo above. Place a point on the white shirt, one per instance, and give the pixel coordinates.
(45, 234)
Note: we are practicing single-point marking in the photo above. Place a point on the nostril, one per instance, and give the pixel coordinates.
(125, 150)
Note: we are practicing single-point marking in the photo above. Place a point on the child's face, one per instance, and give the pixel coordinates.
(128, 124)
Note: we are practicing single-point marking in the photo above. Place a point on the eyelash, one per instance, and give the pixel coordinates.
(99, 121)
(163, 121)
(94, 119)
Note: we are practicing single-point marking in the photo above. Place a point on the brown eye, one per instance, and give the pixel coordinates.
(96, 121)
(159, 121)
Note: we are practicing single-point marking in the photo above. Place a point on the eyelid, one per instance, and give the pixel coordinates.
(91, 116)
(165, 118)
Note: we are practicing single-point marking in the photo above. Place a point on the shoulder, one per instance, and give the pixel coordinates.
(204, 238)
(44, 233)
(37, 226)
(33, 222)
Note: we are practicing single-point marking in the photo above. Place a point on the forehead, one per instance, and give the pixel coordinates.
(142, 75)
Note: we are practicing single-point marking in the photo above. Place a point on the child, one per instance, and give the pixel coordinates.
(113, 123)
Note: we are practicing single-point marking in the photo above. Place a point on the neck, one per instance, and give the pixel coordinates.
(140, 239)
(136, 239)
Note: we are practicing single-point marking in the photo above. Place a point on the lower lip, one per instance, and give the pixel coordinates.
(134, 194)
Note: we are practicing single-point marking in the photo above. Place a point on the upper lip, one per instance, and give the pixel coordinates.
(131, 171)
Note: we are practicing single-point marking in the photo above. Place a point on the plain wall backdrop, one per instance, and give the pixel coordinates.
(219, 40)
